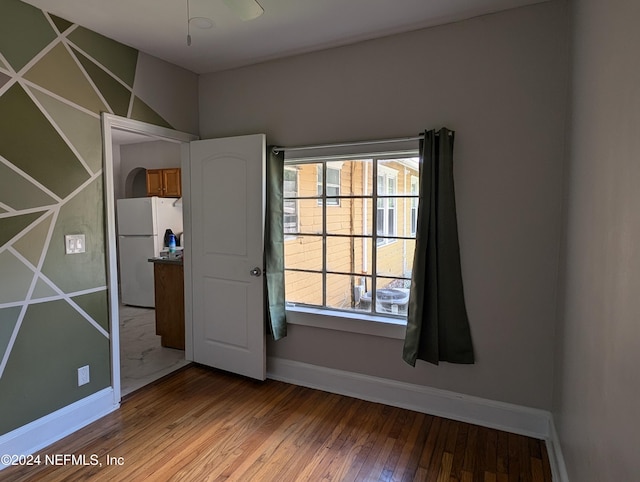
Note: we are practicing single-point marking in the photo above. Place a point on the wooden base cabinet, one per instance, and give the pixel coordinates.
(169, 292)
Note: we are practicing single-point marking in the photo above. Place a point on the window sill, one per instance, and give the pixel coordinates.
(350, 322)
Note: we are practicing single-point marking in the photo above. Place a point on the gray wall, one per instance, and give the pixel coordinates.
(598, 383)
(500, 82)
(152, 77)
(147, 155)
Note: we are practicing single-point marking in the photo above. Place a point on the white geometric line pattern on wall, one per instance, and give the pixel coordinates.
(57, 297)
(56, 78)
(25, 304)
(57, 128)
(60, 294)
(38, 275)
(31, 180)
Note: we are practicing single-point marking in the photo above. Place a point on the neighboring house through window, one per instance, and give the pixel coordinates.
(386, 206)
(350, 233)
(414, 206)
(290, 191)
(332, 184)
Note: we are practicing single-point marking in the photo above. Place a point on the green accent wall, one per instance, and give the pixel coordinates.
(24, 32)
(31, 143)
(31, 244)
(20, 193)
(16, 287)
(3, 78)
(59, 73)
(10, 226)
(8, 321)
(119, 59)
(116, 94)
(61, 24)
(54, 340)
(144, 113)
(96, 305)
(54, 315)
(82, 130)
(81, 215)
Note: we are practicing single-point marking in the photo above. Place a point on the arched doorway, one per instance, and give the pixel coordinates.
(135, 185)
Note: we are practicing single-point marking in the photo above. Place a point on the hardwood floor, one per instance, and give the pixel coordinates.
(201, 424)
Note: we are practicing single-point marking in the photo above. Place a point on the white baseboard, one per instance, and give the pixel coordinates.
(556, 459)
(465, 408)
(41, 433)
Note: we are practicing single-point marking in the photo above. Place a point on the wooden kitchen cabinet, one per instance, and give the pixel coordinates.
(164, 182)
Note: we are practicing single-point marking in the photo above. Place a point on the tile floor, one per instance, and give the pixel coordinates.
(142, 358)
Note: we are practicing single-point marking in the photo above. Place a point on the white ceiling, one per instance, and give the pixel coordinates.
(159, 27)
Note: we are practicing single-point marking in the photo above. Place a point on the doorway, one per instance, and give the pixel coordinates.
(135, 184)
(136, 354)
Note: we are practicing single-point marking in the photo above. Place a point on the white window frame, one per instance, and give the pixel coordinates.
(413, 206)
(388, 205)
(294, 202)
(321, 189)
(350, 321)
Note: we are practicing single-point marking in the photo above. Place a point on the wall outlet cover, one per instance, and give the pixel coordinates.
(83, 375)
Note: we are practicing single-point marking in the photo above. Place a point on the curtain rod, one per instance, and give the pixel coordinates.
(277, 149)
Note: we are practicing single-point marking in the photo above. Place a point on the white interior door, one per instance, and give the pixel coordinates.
(227, 178)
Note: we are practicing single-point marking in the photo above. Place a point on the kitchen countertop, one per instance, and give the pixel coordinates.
(166, 260)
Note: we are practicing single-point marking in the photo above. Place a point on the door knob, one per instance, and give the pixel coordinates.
(255, 272)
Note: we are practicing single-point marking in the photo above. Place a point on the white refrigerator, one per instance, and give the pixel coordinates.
(142, 223)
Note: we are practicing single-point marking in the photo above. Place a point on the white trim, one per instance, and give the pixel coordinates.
(456, 406)
(185, 159)
(41, 433)
(345, 321)
(508, 417)
(47, 430)
(556, 459)
(110, 122)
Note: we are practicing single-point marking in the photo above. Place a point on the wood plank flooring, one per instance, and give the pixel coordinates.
(201, 424)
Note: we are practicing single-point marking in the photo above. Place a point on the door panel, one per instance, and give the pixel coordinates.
(171, 182)
(227, 219)
(154, 182)
(231, 330)
(229, 193)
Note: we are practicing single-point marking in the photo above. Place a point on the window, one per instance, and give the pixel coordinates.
(290, 191)
(353, 241)
(386, 206)
(414, 206)
(333, 183)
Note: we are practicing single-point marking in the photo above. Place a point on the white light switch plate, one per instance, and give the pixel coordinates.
(74, 243)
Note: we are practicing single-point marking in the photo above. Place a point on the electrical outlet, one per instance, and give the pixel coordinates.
(83, 375)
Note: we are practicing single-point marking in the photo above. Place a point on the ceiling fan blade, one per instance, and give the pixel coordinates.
(245, 9)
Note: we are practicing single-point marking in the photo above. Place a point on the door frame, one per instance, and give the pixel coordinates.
(110, 122)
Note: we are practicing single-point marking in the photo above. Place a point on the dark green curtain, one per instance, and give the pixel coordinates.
(274, 246)
(437, 323)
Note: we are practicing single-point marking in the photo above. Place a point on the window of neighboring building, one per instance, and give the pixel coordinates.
(332, 184)
(386, 206)
(290, 191)
(354, 238)
(414, 205)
